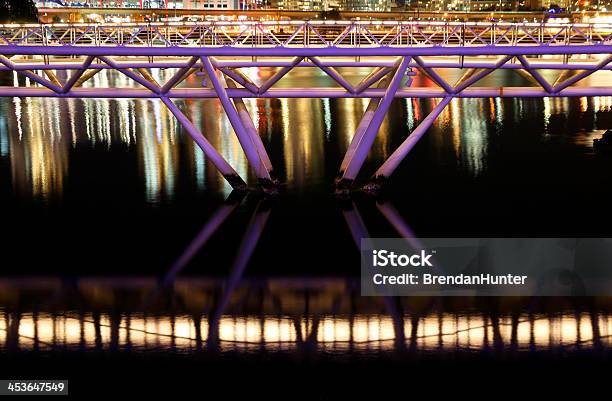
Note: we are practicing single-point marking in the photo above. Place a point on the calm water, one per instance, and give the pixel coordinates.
(108, 207)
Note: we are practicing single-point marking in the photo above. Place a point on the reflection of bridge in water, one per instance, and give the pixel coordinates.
(222, 53)
(323, 314)
(286, 315)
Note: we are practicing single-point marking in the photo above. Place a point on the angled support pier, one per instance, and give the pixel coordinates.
(246, 119)
(210, 152)
(391, 164)
(362, 147)
(245, 136)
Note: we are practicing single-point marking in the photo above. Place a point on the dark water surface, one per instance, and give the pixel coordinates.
(111, 202)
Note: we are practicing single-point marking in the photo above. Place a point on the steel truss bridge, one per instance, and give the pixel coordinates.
(393, 51)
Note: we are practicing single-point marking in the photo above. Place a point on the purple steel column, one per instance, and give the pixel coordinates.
(211, 153)
(241, 132)
(251, 129)
(364, 145)
(366, 119)
(400, 153)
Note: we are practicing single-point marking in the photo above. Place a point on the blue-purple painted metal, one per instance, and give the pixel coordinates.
(390, 48)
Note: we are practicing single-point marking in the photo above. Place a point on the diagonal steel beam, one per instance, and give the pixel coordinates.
(252, 130)
(376, 75)
(582, 75)
(147, 75)
(179, 76)
(433, 75)
(85, 77)
(335, 75)
(393, 161)
(52, 77)
(366, 141)
(535, 74)
(241, 78)
(366, 119)
(564, 75)
(31, 75)
(250, 149)
(131, 74)
(209, 151)
(278, 75)
(479, 74)
(74, 78)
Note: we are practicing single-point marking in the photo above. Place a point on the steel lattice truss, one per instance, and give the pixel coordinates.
(394, 52)
(307, 34)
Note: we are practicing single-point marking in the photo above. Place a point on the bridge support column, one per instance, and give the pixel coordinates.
(366, 119)
(365, 141)
(246, 119)
(211, 153)
(245, 139)
(389, 166)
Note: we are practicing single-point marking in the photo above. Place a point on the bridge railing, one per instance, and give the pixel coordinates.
(240, 34)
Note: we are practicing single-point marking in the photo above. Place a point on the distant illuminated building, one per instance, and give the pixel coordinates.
(169, 4)
(301, 5)
(366, 5)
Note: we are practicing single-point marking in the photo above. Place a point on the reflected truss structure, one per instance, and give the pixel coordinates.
(553, 59)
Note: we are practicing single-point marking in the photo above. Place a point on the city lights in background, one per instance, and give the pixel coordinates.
(552, 6)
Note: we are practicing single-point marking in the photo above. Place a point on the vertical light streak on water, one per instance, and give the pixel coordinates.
(72, 117)
(198, 155)
(17, 102)
(499, 111)
(4, 139)
(158, 121)
(133, 118)
(327, 120)
(149, 157)
(348, 116)
(303, 141)
(584, 104)
(104, 112)
(99, 123)
(546, 102)
(455, 124)
(409, 115)
(518, 109)
(473, 136)
(55, 105)
(105, 105)
(170, 149)
(124, 120)
(88, 118)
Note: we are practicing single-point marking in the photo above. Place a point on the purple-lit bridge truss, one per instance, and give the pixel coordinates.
(393, 51)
